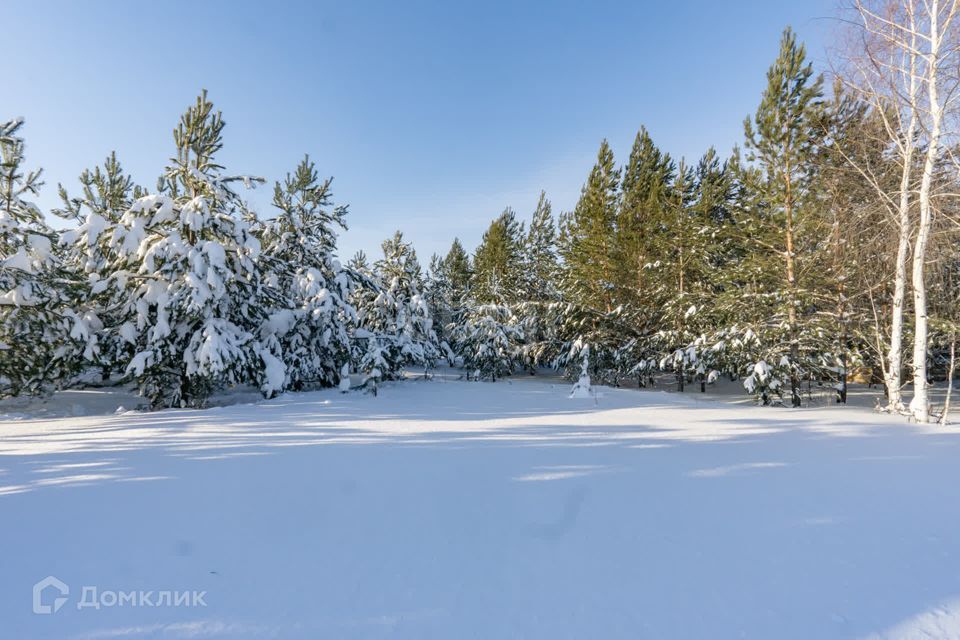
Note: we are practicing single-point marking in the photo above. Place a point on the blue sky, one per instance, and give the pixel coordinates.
(432, 116)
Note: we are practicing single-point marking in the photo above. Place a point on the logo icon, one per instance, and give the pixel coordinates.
(59, 585)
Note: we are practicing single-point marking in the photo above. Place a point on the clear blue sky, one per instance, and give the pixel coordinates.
(432, 116)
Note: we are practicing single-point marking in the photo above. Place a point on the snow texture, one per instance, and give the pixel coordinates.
(443, 509)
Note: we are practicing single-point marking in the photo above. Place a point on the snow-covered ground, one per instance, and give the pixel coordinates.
(450, 509)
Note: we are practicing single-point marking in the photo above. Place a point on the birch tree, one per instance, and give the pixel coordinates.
(903, 59)
(885, 72)
(938, 37)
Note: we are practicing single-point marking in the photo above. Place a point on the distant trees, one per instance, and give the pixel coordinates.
(778, 266)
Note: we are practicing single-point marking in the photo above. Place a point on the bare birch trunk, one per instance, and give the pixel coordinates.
(920, 404)
(895, 354)
(889, 77)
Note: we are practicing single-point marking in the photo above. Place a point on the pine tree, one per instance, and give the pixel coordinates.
(395, 329)
(489, 341)
(438, 293)
(370, 341)
(540, 264)
(35, 326)
(185, 276)
(459, 271)
(311, 327)
(497, 264)
(642, 220)
(851, 207)
(587, 238)
(541, 291)
(678, 249)
(105, 195)
(782, 139)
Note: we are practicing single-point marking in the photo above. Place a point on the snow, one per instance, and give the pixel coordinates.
(274, 373)
(40, 246)
(21, 296)
(140, 362)
(20, 260)
(279, 323)
(449, 509)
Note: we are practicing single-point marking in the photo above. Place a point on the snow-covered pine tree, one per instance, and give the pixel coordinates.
(457, 271)
(674, 249)
(36, 346)
(437, 293)
(540, 261)
(106, 194)
(185, 279)
(601, 245)
(410, 324)
(394, 326)
(541, 288)
(489, 340)
(707, 253)
(582, 388)
(311, 328)
(370, 342)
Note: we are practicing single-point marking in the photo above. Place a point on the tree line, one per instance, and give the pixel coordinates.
(785, 265)
(186, 290)
(816, 253)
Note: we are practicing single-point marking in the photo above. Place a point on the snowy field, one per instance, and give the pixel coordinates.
(449, 509)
